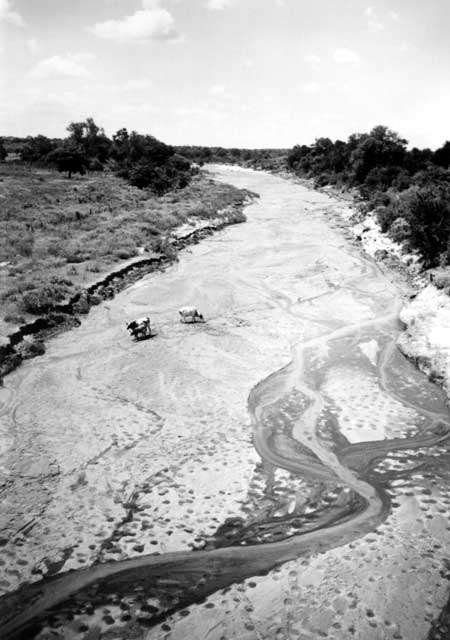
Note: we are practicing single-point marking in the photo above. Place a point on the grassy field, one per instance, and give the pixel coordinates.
(58, 235)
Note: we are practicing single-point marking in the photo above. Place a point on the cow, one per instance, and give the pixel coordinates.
(190, 314)
(140, 328)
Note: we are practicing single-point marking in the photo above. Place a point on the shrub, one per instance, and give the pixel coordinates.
(429, 218)
(322, 180)
(400, 230)
(44, 297)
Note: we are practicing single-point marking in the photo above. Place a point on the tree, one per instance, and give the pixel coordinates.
(380, 148)
(91, 139)
(76, 131)
(418, 159)
(96, 144)
(3, 152)
(36, 148)
(428, 214)
(442, 155)
(173, 174)
(68, 158)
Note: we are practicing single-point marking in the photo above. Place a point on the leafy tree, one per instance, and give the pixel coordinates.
(90, 139)
(442, 155)
(429, 218)
(418, 159)
(36, 148)
(96, 144)
(69, 158)
(160, 178)
(3, 152)
(380, 148)
(76, 131)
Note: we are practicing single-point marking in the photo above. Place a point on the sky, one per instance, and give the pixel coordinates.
(234, 73)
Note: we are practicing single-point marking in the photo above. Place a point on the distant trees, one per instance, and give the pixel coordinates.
(271, 159)
(160, 178)
(3, 152)
(442, 155)
(143, 160)
(428, 215)
(91, 141)
(380, 149)
(37, 148)
(410, 189)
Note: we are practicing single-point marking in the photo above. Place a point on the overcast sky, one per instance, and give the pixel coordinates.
(247, 73)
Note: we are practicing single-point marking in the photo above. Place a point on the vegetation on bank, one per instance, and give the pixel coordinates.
(141, 160)
(408, 189)
(60, 234)
(264, 159)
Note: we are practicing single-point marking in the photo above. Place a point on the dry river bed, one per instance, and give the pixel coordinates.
(278, 472)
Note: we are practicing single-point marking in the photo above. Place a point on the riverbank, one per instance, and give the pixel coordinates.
(426, 316)
(207, 207)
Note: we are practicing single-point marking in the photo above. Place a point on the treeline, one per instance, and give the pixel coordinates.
(266, 159)
(409, 189)
(142, 160)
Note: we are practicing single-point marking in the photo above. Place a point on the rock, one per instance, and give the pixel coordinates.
(82, 305)
(94, 299)
(31, 348)
(381, 254)
(440, 278)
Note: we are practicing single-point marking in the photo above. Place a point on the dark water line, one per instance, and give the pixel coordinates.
(221, 567)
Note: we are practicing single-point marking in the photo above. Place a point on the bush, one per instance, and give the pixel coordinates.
(42, 299)
(400, 230)
(428, 215)
(322, 180)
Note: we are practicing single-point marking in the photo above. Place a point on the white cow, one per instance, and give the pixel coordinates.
(190, 314)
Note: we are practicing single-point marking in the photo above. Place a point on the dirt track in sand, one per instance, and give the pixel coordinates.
(301, 326)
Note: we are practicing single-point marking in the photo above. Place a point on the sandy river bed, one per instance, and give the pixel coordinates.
(280, 471)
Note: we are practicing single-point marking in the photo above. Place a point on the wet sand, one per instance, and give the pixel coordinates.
(284, 451)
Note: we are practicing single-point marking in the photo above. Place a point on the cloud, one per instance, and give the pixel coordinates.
(345, 56)
(72, 65)
(218, 5)
(33, 46)
(137, 85)
(217, 90)
(152, 22)
(311, 58)
(373, 21)
(311, 87)
(202, 112)
(7, 14)
(151, 4)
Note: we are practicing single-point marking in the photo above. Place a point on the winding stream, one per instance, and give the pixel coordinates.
(279, 472)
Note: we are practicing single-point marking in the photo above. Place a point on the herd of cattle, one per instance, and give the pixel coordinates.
(141, 328)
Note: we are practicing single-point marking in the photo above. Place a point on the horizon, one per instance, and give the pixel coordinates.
(251, 74)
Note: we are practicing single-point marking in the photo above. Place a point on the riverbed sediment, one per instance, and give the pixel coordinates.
(286, 463)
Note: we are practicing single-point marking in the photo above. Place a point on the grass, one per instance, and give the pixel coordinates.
(59, 235)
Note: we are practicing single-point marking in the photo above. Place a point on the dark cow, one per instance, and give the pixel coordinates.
(140, 328)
